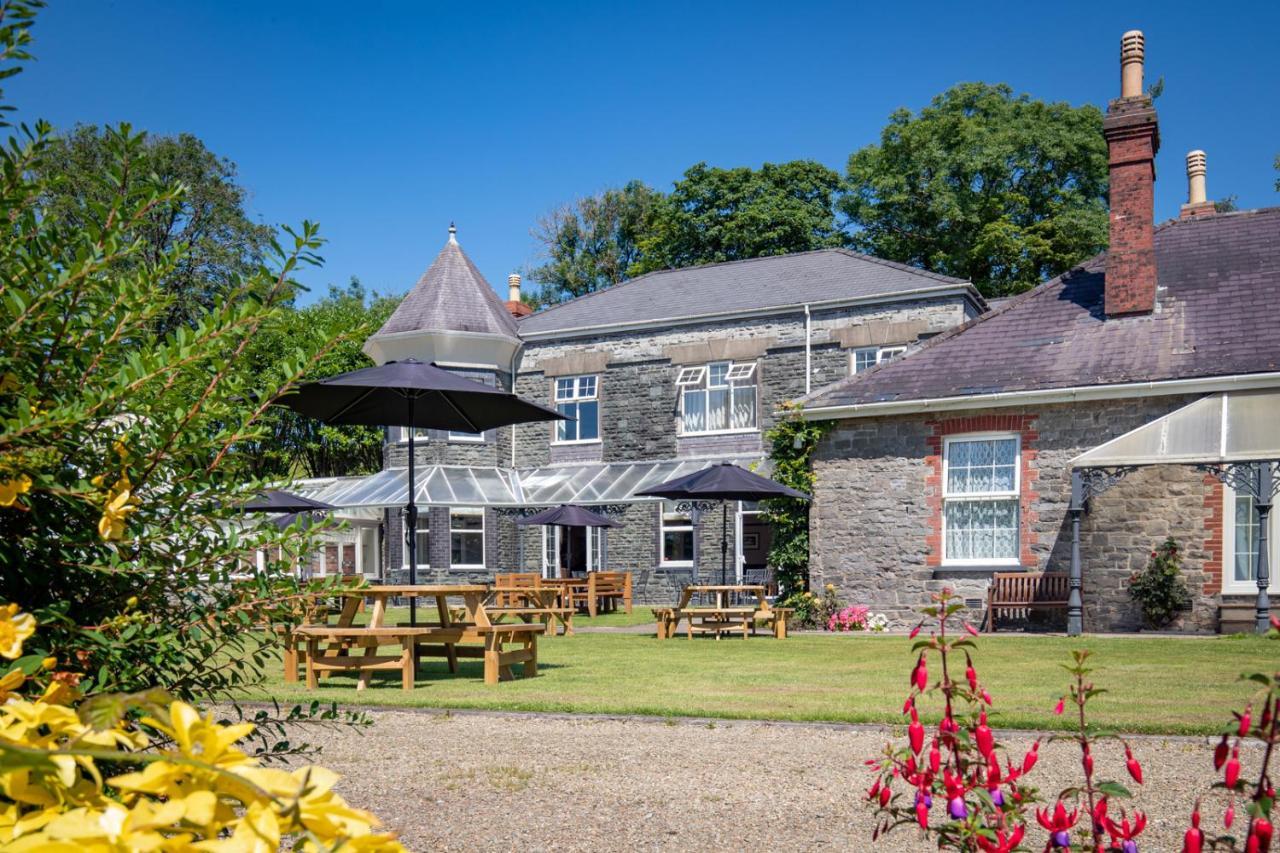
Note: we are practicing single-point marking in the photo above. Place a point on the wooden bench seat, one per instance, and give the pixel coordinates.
(1020, 593)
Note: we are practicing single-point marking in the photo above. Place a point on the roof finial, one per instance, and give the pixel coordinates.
(453, 234)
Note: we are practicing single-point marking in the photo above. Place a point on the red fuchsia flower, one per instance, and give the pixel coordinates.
(1099, 815)
(1220, 753)
(920, 675)
(972, 630)
(1058, 824)
(935, 757)
(1193, 840)
(1004, 843)
(970, 673)
(986, 697)
(916, 630)
(1061, 706)
(885, 794)
(1244, 721)
(956, 806)
(915, 733)
(1135, 769)
(1030, 759)
(1123, 833)
(874, 790)
(1233, 767)
(947, 730)
(1086, 760)
(924, 802)
(993, 781)
(982, 734)
(1259, 836)
(1229, 816)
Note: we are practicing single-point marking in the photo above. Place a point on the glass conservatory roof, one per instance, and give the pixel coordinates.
(1224, 427)
(454, 485)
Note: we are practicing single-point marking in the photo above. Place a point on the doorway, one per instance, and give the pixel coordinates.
(752, 540)
(572, 551)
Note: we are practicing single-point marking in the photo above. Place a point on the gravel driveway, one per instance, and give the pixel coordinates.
(490, 781)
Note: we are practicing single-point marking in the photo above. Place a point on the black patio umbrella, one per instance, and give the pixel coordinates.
(274, 500)
(569, 515)
(412, 394)
(722, 482)
(566, 515)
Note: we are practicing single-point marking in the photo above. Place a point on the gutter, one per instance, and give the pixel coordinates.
(966, 290)
(1072, 394)
(808, 355)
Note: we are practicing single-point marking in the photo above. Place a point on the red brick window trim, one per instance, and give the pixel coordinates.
(1215, 505)
(1021, 425)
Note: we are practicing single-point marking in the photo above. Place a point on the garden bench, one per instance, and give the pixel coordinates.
(1021, 592)
(528, 604)
(512, 582)
(776, 619)
(606, 590)
(717, 620)
(369, 660)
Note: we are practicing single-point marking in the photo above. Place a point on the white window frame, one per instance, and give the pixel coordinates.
(691, 375)
(703, 386)
(1015, 495)
(881, 355)
(424, 554)
(402, 435)
(466, 437)
(576, 397)
(473, 511)
(1230, 585)
(663, 527)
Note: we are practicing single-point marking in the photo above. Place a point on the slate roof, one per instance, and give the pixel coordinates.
(452, 295)
(1219, 285)
(775, 281)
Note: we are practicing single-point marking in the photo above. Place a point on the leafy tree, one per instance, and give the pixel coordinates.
(296, 446)
(714, 215)
(221, 243)
(984, 185)
(592, 243)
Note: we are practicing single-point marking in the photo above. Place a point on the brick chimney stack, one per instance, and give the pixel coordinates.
(1196, 205)
(1133, 138)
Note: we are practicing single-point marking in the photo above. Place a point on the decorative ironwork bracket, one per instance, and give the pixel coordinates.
(1243, 477)
(696, 506)
(1099, 480)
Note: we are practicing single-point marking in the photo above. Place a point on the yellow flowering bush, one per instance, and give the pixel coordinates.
(192, 789)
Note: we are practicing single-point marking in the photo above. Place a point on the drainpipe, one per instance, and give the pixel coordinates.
(1075, 607)
(807, 355)
(514, 356)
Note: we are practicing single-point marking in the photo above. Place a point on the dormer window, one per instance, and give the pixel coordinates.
(717, 397)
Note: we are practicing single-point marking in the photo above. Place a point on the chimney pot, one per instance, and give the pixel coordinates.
(513, 287)
(1195, 177)
(1133, 49)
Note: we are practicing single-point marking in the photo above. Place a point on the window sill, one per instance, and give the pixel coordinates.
(675, 565)
(751, 431)
(577, 443)
(467, 566)
(978, 568)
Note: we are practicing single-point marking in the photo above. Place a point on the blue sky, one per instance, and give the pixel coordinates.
(385, 125)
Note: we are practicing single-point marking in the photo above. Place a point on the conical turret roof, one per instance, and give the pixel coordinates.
(451, 296)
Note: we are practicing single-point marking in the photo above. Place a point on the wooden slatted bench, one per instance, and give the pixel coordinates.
(1021, 592)
(368, 661)
(606, 590)
(776, 619)
(666, 619)
(717, 620)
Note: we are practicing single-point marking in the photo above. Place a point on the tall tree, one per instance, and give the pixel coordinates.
(590, 244)
(985, 185)
(295, 446)
(209, 220)
(714, 215)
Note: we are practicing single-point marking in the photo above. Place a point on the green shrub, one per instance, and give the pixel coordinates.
(1160, 588)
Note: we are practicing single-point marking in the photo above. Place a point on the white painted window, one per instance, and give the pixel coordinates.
(466, 538)
(459, 435)
(691, 376)
(677, 539)
(980, 476)
(719, 401)
(577, 397)
(422, 538)
(868, 357)
(402, 434)
(1240, 534)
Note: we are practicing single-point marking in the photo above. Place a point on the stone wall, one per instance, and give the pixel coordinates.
(874, 521)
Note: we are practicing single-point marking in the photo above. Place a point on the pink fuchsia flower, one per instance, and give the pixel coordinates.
(1232, 772)
(1058, 823)
(1060, 707)
(1193, 840)
(1259, 836)
(1220, 753)
(956, 806)
(915, 733)
(920, 675)
(1123, 833)
(1245, 719)
(1030, 759)
(1131, 763)
(1004, 842)
(982, 734)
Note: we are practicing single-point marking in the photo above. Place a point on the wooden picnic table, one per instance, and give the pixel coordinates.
(445, 637)
(527, 604)
(722, 614)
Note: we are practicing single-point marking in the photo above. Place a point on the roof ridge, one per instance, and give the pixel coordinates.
(937, 340)
(840, 250)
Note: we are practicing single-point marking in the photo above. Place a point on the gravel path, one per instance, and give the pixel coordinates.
(490, 781)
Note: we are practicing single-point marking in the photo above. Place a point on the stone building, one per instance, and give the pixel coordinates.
(956, 461)
(661, 375)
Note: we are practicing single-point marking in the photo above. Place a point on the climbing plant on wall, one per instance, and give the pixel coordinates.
(792, 442)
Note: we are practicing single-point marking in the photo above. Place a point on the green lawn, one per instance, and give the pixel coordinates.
(1157, 685)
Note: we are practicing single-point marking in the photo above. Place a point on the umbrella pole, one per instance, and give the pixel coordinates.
(411, 526)
(724, 541)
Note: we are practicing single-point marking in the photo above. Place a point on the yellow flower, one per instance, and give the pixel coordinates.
(120, 502)
(10, 683)
(15, 627)
(11, 489)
